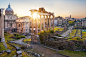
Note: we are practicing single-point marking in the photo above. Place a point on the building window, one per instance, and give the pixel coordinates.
(11, 25)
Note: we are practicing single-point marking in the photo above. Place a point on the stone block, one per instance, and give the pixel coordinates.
(28, 52)
(35, 54)
(17, 48)
(8, 51)
(1, 52)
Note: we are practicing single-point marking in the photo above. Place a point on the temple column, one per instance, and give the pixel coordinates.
(40, 24)
(32, 32)
(49, 23)
(44, 23)
(53, 22)
(36, 28)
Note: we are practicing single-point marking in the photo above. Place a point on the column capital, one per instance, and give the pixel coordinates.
(1, 11)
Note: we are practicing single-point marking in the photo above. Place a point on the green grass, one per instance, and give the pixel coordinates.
(9, 55)
(26, 40)
(84, 34)
(7, 37)
(24, 54)
(2, 47)
(58, 29)
(15, 45)
(72, 33)
(73, 53)
(78, 32)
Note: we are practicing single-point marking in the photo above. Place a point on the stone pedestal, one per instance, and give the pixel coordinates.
(35, 39)
(32, 37)
(19, 54)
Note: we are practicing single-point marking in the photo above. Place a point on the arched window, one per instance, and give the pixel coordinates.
(19, 25)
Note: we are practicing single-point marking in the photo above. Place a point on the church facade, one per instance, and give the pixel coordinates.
(9, 19)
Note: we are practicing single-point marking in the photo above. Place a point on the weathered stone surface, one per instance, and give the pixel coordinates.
(17, 48)
(8, 51)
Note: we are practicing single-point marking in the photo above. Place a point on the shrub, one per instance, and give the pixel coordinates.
(16, 34)
(70, 45)
(5, 32)
(22, 36)
(56, 44)
(58, 35)
(51, 31)
(18, 37)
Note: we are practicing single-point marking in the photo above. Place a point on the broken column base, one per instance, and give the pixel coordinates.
(2, 39)
(35, 39)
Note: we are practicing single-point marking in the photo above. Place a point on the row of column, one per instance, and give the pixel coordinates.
(43, 19)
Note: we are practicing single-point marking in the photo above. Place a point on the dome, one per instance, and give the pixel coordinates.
(9, 9)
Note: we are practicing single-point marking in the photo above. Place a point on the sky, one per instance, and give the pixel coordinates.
(64, 8)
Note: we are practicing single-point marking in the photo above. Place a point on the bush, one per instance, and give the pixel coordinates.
(70, 45)
(16, 34)
(59, 35)
(22, 36)
(5, 32)
(56, 44)
(51, 31)
(18, 37)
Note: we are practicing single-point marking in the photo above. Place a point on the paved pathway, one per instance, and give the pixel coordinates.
(47, 52)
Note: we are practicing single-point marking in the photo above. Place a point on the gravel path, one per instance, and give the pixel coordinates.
(47, 52)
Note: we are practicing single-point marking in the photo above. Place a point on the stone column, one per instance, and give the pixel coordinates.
(2, 39)
(36, 29)
(53, 22)
(44, 23)
(32, 32)
(49, 23)
(40, 23)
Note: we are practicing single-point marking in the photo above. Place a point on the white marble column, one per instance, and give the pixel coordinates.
(40, 24)
(36, 29)
(53, 22)
(44, 23)
(49, 23)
